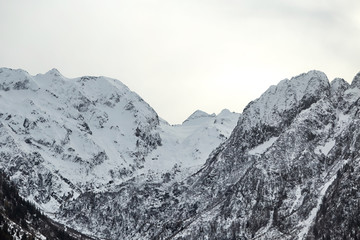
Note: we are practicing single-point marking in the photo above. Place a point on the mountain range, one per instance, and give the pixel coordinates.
(94, 156)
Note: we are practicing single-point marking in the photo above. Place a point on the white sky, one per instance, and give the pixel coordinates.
(184, 55)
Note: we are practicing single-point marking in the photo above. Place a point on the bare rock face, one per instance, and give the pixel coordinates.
(289, 169)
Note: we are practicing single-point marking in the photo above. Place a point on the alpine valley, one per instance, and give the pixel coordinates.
(100, 163)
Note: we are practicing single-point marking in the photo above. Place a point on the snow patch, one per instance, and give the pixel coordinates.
(260, 149)
(326, 148)
(189, 145)
(307, 223)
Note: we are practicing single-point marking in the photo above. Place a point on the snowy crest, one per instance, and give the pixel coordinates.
(356, 81)
(18, 79)
(278, 106)
(287, 95)
(199, 114)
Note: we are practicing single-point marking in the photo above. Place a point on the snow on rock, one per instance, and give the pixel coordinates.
(287, 95)
(18, 79)
(188, 145)
(339, 85)
(326, 148)
(352, 94)
(267, 116)
(356, 81)
(306, 224)
(260, 149)
(199, 114)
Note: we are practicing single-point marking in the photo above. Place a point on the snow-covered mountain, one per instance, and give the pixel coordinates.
(61, 137)
(288, 170)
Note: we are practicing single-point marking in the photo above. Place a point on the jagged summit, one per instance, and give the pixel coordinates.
(279, 105)
(54, 72)
(339, 86)
(276, 108)
(338, 83)
(199, 114)
(356, 81)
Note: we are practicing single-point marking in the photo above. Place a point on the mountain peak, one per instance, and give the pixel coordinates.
(225, 111)
(356, 81)
(199, 114)
(54, 72)
(266, 116)
(286, 95)
(339, 85)
(316, 73)
(308, 82)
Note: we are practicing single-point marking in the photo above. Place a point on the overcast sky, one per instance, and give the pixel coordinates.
(184, 55)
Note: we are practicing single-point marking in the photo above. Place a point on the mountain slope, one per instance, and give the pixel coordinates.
(20, 219)
(63, 137)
